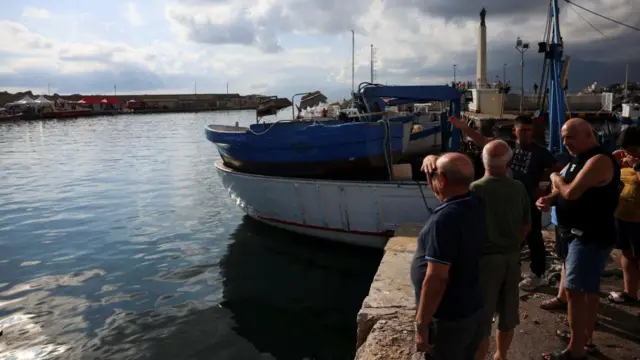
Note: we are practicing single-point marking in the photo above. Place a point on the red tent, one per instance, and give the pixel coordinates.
(111, 100)
(89, 100)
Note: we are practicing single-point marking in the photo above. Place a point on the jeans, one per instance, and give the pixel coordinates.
(536, 243)
(456, 340)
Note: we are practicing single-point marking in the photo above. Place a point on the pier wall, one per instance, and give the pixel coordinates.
(385, 321)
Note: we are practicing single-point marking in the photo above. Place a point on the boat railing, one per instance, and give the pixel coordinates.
(293, 104)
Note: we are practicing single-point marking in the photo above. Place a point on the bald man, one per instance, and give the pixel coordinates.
(444, 270)
(585, 199)
(508, 220)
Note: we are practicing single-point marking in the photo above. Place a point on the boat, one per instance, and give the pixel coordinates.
(10, 117)
(363, 211)
(65, 114)
(311, 148)
(319, 148)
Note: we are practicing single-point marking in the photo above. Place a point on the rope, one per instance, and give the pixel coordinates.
(269, 128)
(387, 148)
(585, 20)
(602, 16)
(424, 198)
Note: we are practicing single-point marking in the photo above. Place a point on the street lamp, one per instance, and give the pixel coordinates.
(522, 47)
(454, 73)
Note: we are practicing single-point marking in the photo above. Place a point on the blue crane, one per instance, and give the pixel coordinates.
(554, 52)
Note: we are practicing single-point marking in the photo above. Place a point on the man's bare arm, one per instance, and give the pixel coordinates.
(475, 136)
(598, 171)
(433, 287)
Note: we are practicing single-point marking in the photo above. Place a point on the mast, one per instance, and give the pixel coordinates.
(554, 52)
(353, 61)
(626, 80)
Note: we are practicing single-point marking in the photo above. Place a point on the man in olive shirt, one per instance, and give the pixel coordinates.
(529, 164)
(508, 220)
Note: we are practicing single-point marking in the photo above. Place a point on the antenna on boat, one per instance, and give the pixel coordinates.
(353, 61)
(373, 63)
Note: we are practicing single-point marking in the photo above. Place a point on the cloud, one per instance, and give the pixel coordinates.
(17, 38)
(287, 46)
(35, 13)
(226, 23)
(133, 15)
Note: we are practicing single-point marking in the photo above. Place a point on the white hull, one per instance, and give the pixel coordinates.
(354, 212)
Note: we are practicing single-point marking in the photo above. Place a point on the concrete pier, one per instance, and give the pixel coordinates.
(385, 321)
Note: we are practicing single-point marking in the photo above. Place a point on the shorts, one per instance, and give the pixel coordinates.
(584, 265)
(456, 340)
(628, 237)
(499, 278)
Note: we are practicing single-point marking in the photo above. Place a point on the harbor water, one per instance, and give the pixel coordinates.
(118, 241)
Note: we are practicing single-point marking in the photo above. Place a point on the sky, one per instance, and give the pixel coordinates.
(280, 47)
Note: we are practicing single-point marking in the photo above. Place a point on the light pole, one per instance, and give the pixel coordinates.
(522, 47)
(454, 73)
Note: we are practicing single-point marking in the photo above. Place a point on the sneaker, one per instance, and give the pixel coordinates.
(531, 283)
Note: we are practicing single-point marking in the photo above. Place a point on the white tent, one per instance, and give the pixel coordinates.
(43, 102)
(26, 100)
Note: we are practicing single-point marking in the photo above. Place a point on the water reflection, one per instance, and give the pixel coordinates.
(296, 297)
(286, 297)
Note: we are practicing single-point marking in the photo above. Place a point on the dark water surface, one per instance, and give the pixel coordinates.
(117, 241)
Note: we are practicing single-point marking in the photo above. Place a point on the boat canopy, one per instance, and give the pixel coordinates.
(374, 99)
(400, 95)
(271, 106)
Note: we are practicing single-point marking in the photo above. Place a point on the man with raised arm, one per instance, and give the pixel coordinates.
(508, 220)
(444, 270)
(585, 199)
(530, 163)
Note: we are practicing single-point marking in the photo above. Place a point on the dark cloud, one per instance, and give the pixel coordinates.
(471, 8)
(589, 62)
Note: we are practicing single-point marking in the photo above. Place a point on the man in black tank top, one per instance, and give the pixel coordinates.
(585, 200)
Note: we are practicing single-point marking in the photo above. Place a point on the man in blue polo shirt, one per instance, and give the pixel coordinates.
(444, 270)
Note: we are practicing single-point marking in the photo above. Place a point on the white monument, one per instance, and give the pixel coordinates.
(481, 65)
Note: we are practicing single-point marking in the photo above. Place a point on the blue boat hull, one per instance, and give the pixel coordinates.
(304, 149)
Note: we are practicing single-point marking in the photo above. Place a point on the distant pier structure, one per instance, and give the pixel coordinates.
(481, 64)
